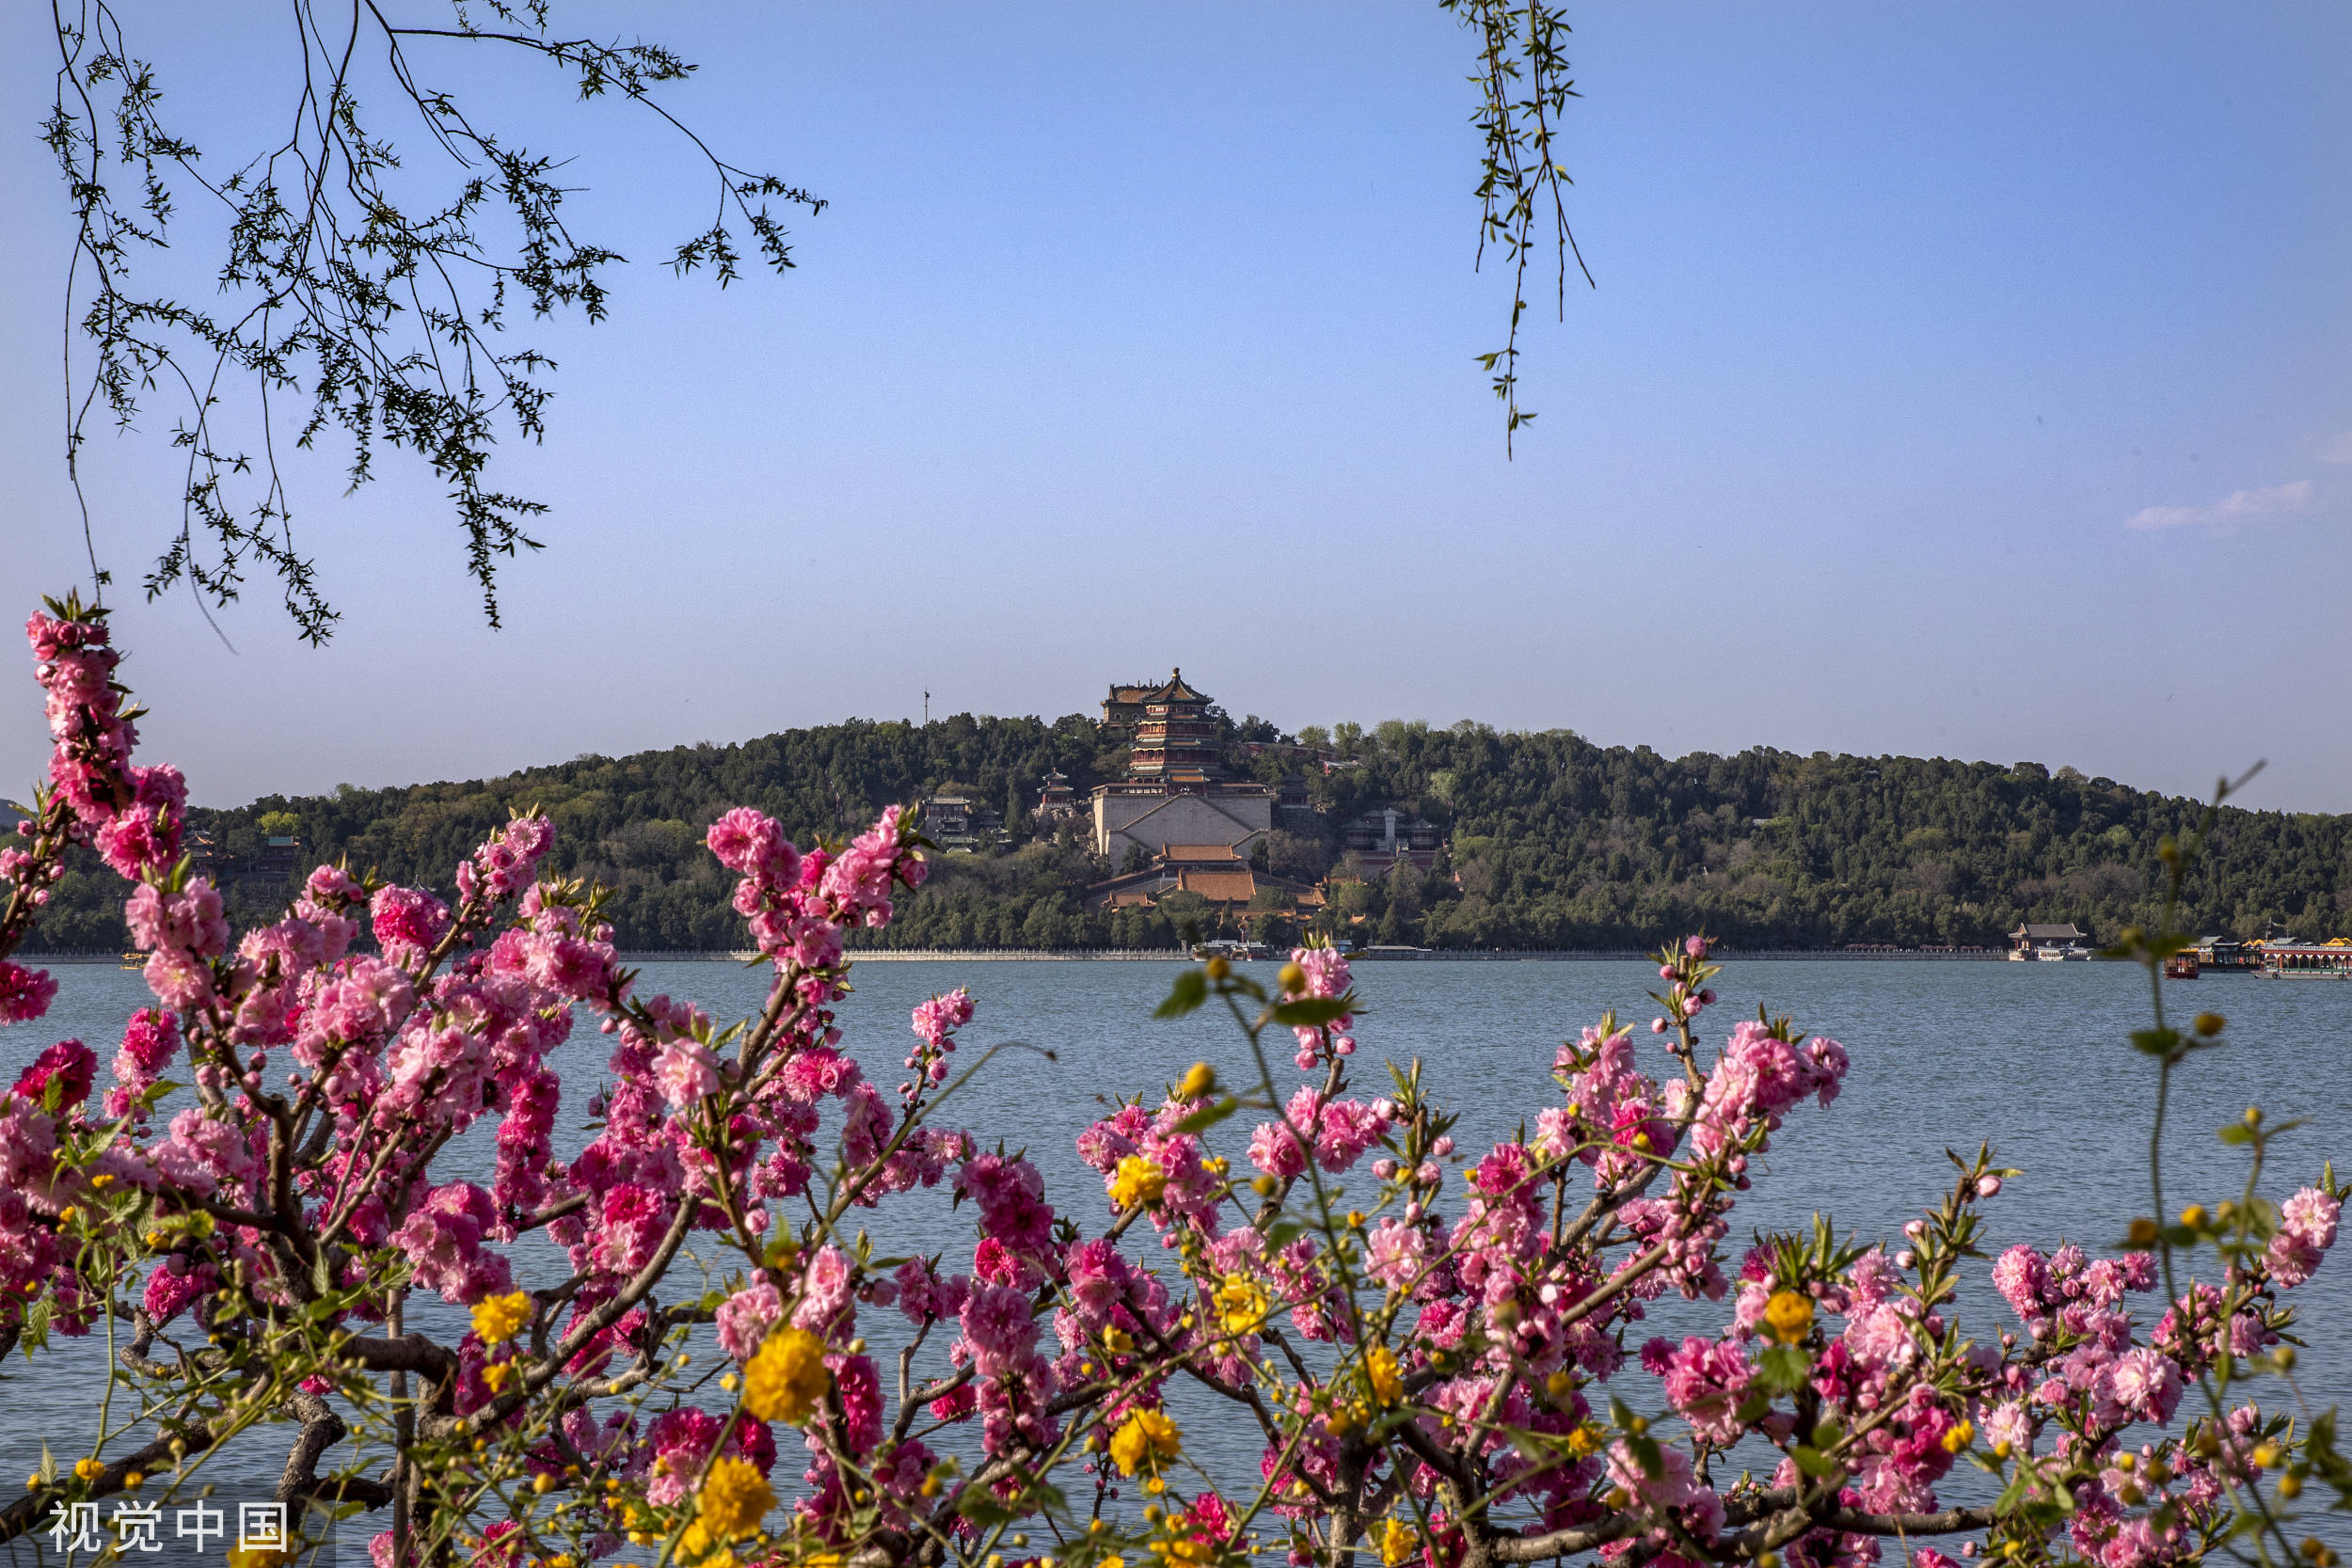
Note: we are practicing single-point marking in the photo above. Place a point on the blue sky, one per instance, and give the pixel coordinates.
(1963, 381)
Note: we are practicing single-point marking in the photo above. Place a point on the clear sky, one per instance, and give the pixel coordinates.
(1963, 381)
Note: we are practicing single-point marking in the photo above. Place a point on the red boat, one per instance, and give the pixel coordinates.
(2181, 966)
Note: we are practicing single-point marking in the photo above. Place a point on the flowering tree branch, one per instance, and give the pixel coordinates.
(1437, 1357)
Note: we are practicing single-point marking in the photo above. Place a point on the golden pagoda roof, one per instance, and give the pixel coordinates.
(1174, 690)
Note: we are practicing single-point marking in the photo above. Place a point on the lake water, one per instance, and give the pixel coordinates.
(2031, 1057)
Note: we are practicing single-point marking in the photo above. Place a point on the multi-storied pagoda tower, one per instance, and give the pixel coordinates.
(1176, 744)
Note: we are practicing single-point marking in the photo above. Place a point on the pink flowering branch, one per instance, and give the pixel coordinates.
(1443, 1369)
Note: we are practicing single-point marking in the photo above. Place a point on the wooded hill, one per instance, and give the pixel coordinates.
(1553, 842)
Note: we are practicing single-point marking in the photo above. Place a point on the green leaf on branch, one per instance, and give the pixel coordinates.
(1814, 1462)
(2156, 1042)
(1209, 1115)
(1314, 1012)
(985, 1508)
(1190, 989)
(1645, 1454)
(1783, 1368)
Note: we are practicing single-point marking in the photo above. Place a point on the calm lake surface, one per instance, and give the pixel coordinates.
(2031, 1057)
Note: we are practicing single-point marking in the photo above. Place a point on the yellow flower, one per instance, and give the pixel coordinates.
(1958, 1437)
(1139, 1181)
(1396, 1542)
(1787, 1315)
(1145, 1437)
(1380, 1370)
(735, 1497)
(1587, 1440)
(257, 1557)
(698, 1545)
(1198, 1083)
(494, 1376)
(88, 1469)
(499, 1319)
(787, 1377)
(1241, 1304)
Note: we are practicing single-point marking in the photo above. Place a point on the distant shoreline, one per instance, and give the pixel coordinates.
(1172, 954)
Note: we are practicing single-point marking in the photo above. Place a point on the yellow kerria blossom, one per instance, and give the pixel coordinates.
(1146, 1436)
(499, 1319)
(1241, 1304)
(88, 1469)
(1380, 1370)
(1787, 1315)
(1138, 1181)
(787, 1377)
(1396, 1542)
(735, 1497)
(257, 1557)
(699, 1546)
(1958, 1437)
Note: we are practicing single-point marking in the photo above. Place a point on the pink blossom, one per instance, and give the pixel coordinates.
(2145, 1384)
(2307, 1229)
(1395, 1255)
(443, 1243)
(2023, 1278)
(750, 844)
(746, 1317)
(67, 1065)
(407, 919)
(1706, 1381)
(191, 919)
(997, 1324)
(24, 993)
(686, 1071)
(824, 1289)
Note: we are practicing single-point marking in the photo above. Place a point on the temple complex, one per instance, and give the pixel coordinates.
(1175, 791)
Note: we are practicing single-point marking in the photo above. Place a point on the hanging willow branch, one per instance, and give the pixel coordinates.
(375, 317)
(1524, 89)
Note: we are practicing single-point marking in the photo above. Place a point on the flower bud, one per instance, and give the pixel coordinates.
(1219, 967)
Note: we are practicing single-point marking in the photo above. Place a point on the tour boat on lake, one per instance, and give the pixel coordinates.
(2308, 961)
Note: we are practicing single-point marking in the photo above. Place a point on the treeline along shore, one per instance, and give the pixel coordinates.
(1544, 842)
